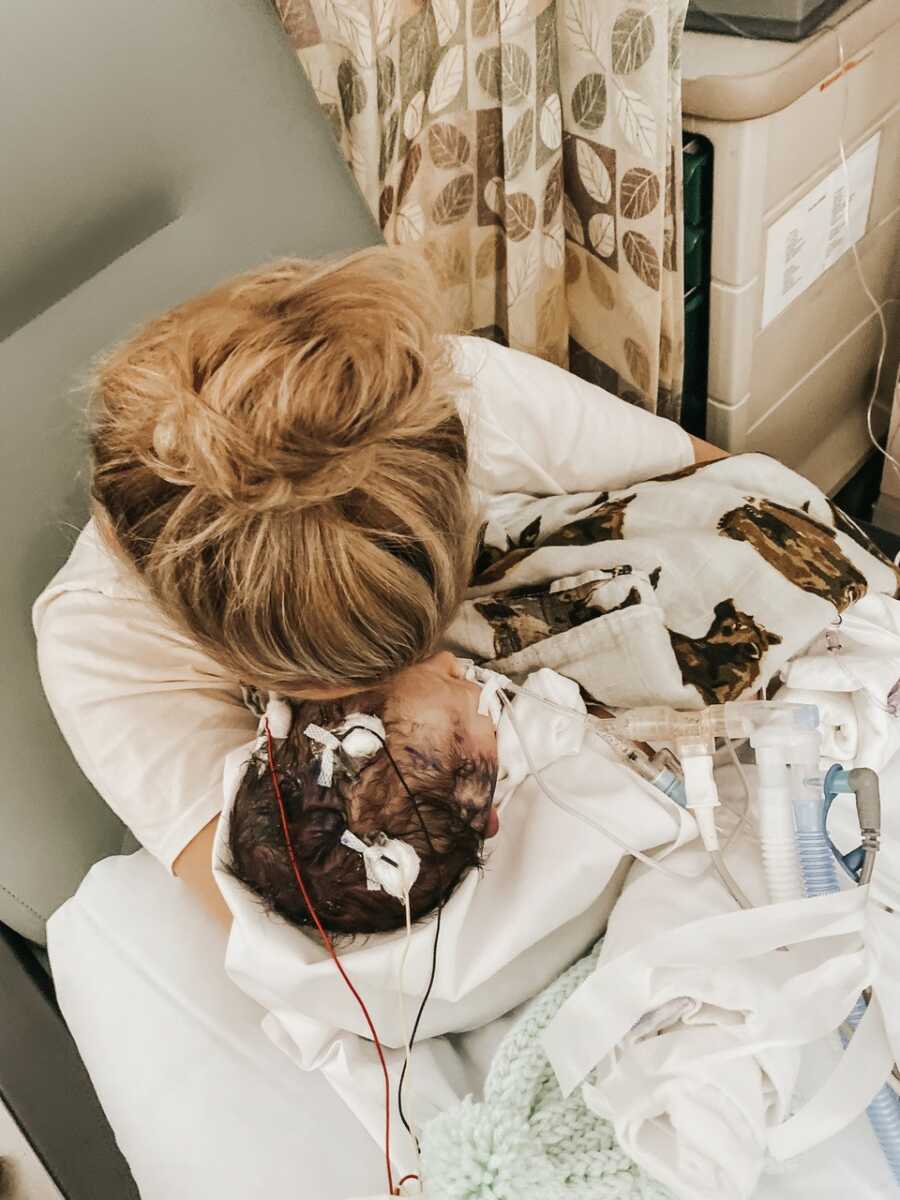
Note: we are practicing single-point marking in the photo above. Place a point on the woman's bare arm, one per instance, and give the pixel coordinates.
(193, 868)
(706, 451)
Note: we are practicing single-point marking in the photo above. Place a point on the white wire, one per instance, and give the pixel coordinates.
(593, 723)
(403, 1022)
(580, 814)
(745, 812)
(729, 750)
(834, 647)
(716, 858)
(861, 687)
(878, 308)
(729, 882)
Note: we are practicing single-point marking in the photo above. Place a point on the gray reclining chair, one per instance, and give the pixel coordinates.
(148, 150)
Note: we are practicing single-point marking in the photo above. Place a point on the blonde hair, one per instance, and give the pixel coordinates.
(282, 461)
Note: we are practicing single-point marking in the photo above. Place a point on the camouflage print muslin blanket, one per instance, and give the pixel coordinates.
(690, 589)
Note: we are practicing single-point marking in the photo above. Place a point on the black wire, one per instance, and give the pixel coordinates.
(415, 1028)
(437, 927)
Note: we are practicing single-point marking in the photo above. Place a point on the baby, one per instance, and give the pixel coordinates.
(430, 785)
(548, 884)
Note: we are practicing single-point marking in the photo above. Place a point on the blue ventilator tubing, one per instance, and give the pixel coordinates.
(667, 781)
(820, 879)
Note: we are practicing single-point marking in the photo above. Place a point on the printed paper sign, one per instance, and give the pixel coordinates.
(806, 240)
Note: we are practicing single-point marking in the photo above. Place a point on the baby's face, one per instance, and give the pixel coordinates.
(441, 705)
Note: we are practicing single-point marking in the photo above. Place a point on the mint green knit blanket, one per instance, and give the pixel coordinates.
(524, 1141)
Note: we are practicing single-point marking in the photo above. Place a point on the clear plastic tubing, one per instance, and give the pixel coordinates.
(776, 823)
(820, 879)
(736, 719)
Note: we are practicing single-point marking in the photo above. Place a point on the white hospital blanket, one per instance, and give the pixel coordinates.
(700, 1025)
(203, 1105)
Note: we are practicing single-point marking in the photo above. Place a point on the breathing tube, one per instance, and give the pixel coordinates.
(812, 798)
(694, 734)
(777, 748)
(798, 855)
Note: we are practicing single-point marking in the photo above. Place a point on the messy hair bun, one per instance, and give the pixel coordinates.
(282, 461)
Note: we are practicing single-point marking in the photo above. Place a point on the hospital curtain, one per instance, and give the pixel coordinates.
(532, 148)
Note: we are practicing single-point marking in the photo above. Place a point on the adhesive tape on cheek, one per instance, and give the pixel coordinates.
(490, 683)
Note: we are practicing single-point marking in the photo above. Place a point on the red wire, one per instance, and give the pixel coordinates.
(337, 962)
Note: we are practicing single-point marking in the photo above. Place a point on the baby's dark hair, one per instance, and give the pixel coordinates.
(444, 821)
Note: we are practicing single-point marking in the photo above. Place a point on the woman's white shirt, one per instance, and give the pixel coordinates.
(150, 718)
(535, 428)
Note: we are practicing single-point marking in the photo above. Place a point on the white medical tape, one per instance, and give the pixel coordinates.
(803, 1008)
(575, 1044)
(361, 735)
(279, 716)
(278, 719)
(330, 745)
(391, 866)
(490, 682)
(848, 1091)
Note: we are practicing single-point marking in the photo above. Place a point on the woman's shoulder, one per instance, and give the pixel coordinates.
(482, 363)
(149, 717)
(90, 567)
(536, 428)
(95, 596)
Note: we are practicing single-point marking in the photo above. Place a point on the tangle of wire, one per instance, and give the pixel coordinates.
(411, 1040)
(434, 947)
(329, 945)
(716, 862)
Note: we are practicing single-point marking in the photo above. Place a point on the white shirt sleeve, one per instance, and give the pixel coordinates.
(535, 428)
(150, 719)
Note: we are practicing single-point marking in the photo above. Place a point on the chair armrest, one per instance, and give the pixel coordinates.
(45, 1086)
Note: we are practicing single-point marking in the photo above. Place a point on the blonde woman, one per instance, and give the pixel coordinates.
(286, 479)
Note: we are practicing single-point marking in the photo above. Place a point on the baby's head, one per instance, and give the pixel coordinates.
(446, 754)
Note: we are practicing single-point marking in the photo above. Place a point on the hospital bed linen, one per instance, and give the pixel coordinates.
(688, 590)
(699, 1024)
(203, 1105)
(851, 672)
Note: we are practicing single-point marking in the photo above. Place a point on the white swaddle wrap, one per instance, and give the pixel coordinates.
(696, 1016)
(851, 673)
(546, 891)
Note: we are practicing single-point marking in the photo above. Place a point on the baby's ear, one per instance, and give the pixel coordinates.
(474, 782)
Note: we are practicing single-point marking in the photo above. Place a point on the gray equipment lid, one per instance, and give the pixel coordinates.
(729, 78)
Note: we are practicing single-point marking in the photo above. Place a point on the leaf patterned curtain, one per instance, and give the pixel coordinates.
(532, 148)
